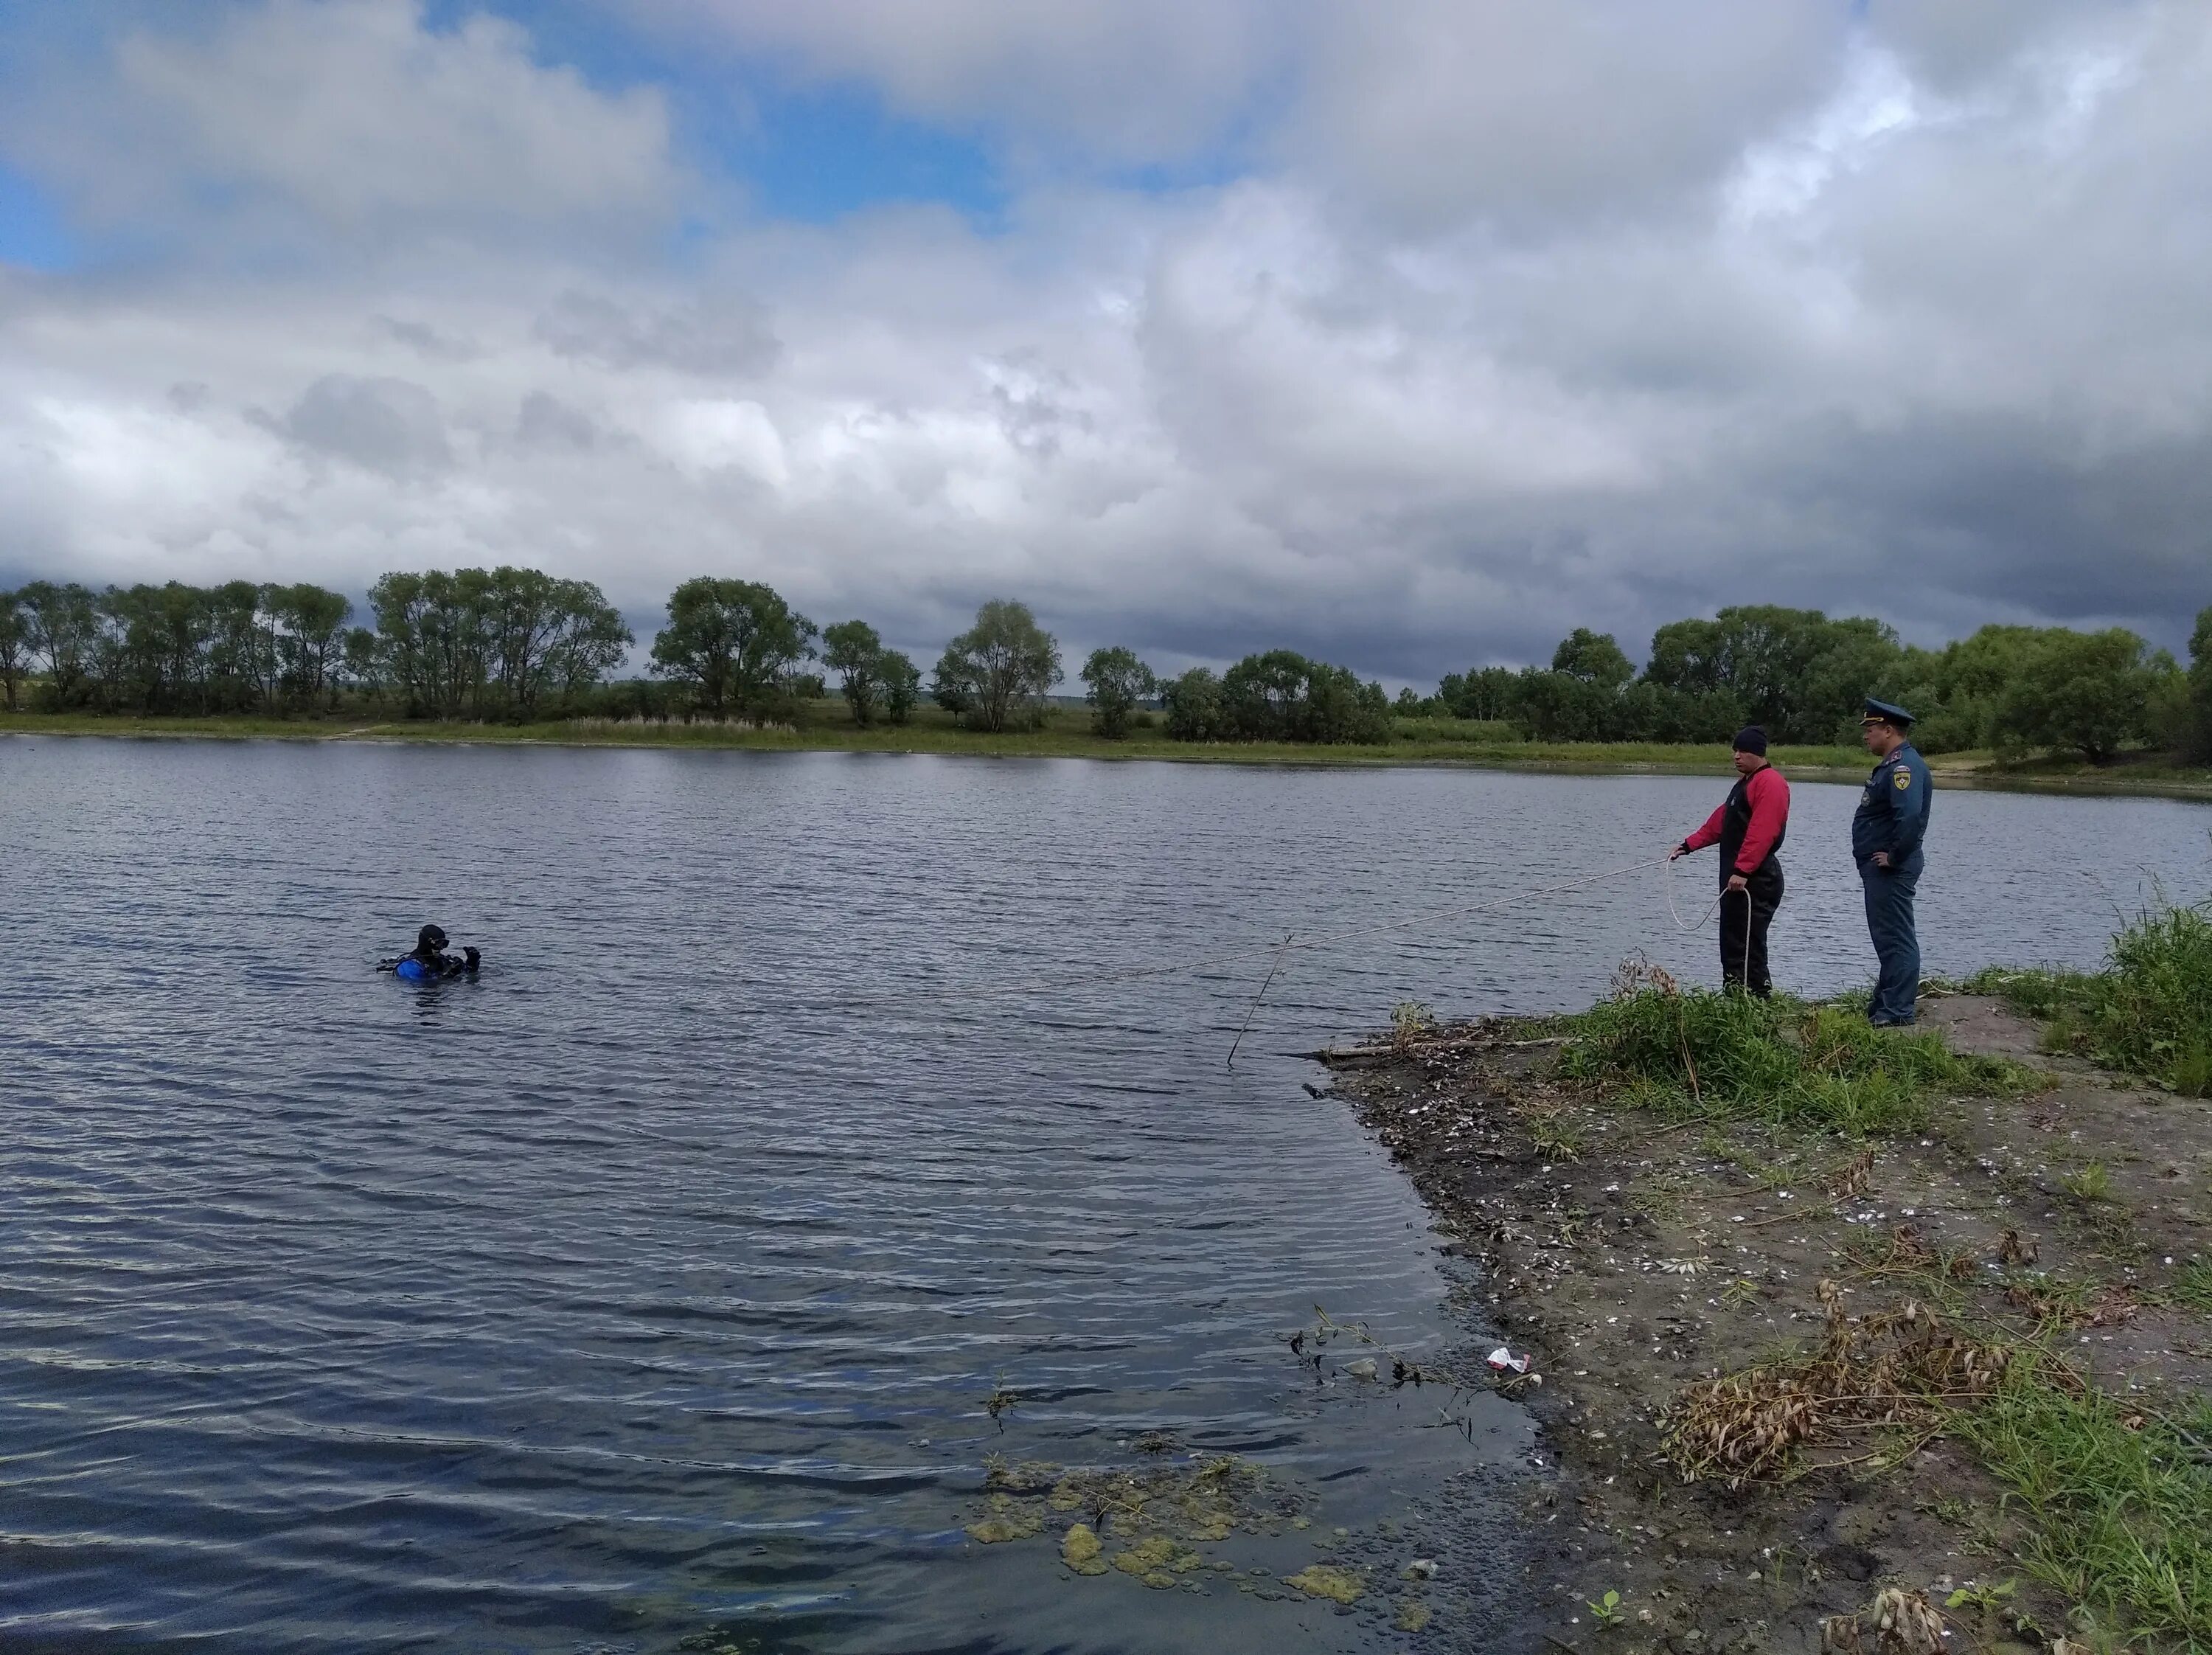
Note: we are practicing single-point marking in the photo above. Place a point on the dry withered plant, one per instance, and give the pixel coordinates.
(1899, 1623)
(1900, 1367)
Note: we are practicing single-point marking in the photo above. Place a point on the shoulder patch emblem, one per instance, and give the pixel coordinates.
(1903, 780)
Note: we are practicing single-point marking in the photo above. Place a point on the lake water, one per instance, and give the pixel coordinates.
(655, 1282)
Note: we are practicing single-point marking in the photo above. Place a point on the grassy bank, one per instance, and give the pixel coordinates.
(1916, 1328)
(2147, 1012)
(1700, 1055)
(827, 726)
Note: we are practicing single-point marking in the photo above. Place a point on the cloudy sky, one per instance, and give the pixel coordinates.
(1409, 332)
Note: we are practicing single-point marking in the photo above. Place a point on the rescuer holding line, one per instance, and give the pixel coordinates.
(1748, 827)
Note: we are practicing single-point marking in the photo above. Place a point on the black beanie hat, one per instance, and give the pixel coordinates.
(1751, 739)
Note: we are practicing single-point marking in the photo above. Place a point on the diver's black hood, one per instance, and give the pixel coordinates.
(430, 937)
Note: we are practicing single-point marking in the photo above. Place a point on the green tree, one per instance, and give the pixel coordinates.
(546, 634)
(1263, 696)
(2086, 692)
(735, 642)
(2197, 739)
(401, 607)
(363, 662)
(14, 647)
(1594, 658)
(1117, 681)
(591, 640)
(902, 684)
(458, 639)
(1001, 668)
(1281, 696)
(1341, 709)
(1794, 671)
(1488, 693)
(62, 625)
(1559, 706)
(307, 624)
(1193, 704)
(854, 650)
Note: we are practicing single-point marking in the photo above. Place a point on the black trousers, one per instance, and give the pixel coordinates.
(1745, 915)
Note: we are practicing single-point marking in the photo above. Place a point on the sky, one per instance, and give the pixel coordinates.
(1408, 333)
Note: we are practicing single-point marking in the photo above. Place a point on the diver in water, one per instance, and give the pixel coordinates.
(428, 960)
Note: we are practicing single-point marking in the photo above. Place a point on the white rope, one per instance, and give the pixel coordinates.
(1697, 924)
(1681, 924)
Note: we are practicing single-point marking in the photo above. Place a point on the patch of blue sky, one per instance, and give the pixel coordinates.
(32, 230)
(817, 155)
(805, 152)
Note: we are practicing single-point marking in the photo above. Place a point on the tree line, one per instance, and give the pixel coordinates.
(1804, 678)
(469, 644)
(512, 644)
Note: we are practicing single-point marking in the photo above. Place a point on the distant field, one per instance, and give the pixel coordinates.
(827, 726)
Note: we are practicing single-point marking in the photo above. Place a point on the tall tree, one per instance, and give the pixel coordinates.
(855, 650)
(1487, 693)
(62, 624)
(1117, 681)
(2198, 739)
(902, 684)
(14, 647)
(364, 661)
(591, 640)
(1262, 695)
(235, 676)
(1002, 667)
(307, 626)
(543, 632)
(1281, 696)
(401, 605)
(1594, 658)
(2086, 692)
(735, 642)
(1193, 704)
(1794, 671)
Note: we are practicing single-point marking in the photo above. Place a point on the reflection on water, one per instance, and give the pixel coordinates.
(659, 1278)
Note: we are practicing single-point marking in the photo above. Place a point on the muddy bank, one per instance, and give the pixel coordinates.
(1632, 1258)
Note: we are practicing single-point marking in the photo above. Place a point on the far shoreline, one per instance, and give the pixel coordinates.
(1980, 771)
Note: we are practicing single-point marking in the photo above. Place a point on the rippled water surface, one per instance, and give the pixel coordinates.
(655, 1282)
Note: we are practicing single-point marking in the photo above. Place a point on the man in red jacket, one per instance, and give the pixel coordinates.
(1748, 828)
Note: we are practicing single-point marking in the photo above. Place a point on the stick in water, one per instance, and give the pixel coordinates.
(1252, 1010)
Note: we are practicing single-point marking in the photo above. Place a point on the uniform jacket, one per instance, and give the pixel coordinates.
(1892, 812)
(1750, 823)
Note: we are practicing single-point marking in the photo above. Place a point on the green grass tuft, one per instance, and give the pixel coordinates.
(1698, 1054)
(2193, 1286)
(2121, 1519)
(2149, 1012)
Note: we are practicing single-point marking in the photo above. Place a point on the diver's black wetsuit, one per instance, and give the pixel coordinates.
(429, 956)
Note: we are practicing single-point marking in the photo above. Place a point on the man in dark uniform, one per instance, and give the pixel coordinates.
(1887, 830)
(1748, 827)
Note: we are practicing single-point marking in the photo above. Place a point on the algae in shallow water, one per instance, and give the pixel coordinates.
(1156, 1561)
(1080, 1550)
(1321, 1580)
(1006, 1521)
(1154, 1514)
